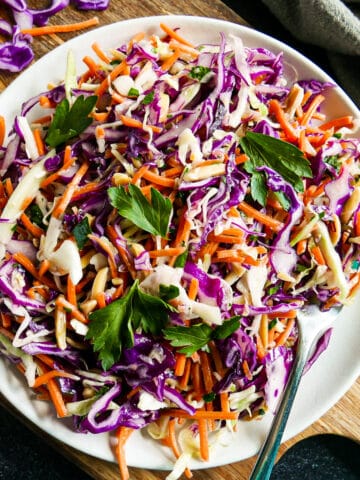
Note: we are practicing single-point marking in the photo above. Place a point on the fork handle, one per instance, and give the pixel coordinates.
(266, 459)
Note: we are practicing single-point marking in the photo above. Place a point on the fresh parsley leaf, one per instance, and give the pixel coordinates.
(333, 161)
(227, 328)
(209, 397)
(272, 323)
(258, 187)
(35, 214)
(68, 122)
(192, 338)
(112, 328)
(168, 292)
(283, 157)
(81, 232)
(199, 72)
(132, 204)
(148, 98)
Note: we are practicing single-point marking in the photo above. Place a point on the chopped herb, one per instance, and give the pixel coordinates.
(148, 98)
(112, 328)
(272, 323)
(199, 72)
(282, 157)
(209, 397)
(181, 259)
(168, 292)
(273, 290)
(337, 135)
(355, 265)
(133, 92)
(333, 161)
(195, 337)
(153, 217)
(69, 122)
(35, 214)
(81, 232)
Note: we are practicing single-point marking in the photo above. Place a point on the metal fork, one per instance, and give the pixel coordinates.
(311, 322)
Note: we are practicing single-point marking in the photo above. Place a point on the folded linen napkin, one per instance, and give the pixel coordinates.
(331, 24)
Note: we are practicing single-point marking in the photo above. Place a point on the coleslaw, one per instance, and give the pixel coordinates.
(164, 216)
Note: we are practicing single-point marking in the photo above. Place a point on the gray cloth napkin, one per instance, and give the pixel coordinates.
(331, 24)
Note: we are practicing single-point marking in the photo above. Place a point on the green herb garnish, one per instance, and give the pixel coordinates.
(193, 338)
(133, 92)
(148, 98)
(153, 217)
(81, 232)
(199, 72)
(68, 122)
(112, 328)
(35, 214)
(282, 157)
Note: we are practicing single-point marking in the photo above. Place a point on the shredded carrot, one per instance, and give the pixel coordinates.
(122, 435)
(319, 257)
(2, 130)
(264, 330)
(288, 314)
(276, 109)
(8, 186)
(39, 142)
(44, 267)
(169, 62)
(66, 306)
(224, 401)
(30, 267)
(204, 441)
(345, 121)
(167, 252)
(250, 211)
(193, 288)
(301, 246)
(45, 377)
(100, 52)
(71, 27)
(91, 64)
(64, 200)
(180, 364)
(183, 382)
(173, 34)
(35, 230)
(57, 398)
(71, 291)
(281, 339)
(311, 109)
(201, 414)
(112, 75)
(133, 123)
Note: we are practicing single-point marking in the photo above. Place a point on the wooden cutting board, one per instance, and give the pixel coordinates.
(343, 418)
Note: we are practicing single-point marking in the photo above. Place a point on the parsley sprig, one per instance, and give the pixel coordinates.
(283, 157)
(112, 328)
(131, 203)
(69, 122)
(192, 338)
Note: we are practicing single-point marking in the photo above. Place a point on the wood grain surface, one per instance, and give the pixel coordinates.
(344, 417)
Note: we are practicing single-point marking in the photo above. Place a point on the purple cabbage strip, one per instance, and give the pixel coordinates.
(16, 54)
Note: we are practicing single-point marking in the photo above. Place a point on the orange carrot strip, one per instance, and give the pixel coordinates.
(100, 53)
(44, 267)
(123, 253)
(241, 158)
(35, 230)
(167, 252)
(172, 443)
(261, 352)
(71, 291)
(139, 173)
(66, 306)
(112, 75)
(199, 414)
(207, 371)
(301, 246)
(67, 162)
(270, 222)
(180, 364)
(122, 435)
(158, 179)
(8, 186)
(91, 64)
(39, 141)
(70, 27)
(193, 288)
(101, 299)
(288, 314)
(264, 330)
(133, 123)
(276, 109)
(204, 441)
(345, 121)
(186, 375)
(169, 62)
(57, 398)
(5, 320)
(311, 109)
(30, 267)
(84, 189)
(196, 380)
(174, 172)
(63, 202)
(224, 401)
(285, 334)
(45, 102)
(173, 34)
(2, 129)
(45, 377)
(216, 358)
(319, 257)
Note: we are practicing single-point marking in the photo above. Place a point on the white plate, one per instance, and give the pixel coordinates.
(337, 368)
